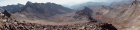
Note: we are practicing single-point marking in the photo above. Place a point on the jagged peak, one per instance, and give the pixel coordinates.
(87, 10)
(28, 2)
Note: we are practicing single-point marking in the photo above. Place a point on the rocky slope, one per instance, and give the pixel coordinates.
(123, 17)
(13, 24)
(21, 25)
(42, 10)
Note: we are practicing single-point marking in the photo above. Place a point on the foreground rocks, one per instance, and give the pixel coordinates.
(22, 25)
(12, 24)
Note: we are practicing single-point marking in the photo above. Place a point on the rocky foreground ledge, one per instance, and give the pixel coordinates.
(22, 25)
(9, 23)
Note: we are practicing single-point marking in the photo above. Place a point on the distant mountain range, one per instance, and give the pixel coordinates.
(87, 4)
(95, 4)
(13, 8)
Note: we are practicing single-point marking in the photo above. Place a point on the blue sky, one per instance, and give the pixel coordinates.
(69, 2)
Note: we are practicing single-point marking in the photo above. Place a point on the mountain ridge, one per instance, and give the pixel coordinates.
(43, 10)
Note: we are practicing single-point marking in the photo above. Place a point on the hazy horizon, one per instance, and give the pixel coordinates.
(62, 2)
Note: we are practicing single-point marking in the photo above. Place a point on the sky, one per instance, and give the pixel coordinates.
(66, 2)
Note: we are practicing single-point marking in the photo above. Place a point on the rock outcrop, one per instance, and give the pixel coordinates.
(7, 14)
(85, 13)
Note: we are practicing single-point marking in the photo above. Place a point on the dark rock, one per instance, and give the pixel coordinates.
(6, 13)
(86, 12)
(108, 27)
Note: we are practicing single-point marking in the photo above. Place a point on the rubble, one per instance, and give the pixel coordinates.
(17, 25)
